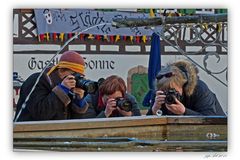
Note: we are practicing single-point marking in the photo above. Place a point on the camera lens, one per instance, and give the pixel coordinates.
(124, 104)
(170, 99)
(171, 95)
(87, 85)
(90, 86)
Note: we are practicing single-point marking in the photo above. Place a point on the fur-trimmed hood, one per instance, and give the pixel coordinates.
(191, 71)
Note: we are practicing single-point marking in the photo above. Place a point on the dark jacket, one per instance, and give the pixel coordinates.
(48, 101)
(96, 111)
(202, 102)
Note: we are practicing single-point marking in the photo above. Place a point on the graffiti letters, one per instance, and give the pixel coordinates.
(76, 20)
(48, 16)
(59, 16)
(89, 20)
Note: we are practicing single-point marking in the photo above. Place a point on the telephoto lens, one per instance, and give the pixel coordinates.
(87, 85)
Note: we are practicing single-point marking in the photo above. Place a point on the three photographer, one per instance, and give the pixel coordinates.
(58, 95)
(111, 100)
(63, 93)
(181, 92)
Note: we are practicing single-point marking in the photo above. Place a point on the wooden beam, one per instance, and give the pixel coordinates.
(152, 132)
(134, 145)
(197, 120)
(114, 122)
(26, 10)
(157, 21)
(173, 127)
(88, 123)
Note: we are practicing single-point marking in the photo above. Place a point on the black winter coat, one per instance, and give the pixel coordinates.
(48, 101)
(202, 102)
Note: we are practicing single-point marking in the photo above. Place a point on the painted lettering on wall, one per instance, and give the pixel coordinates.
(39, 64)
(99, 64)
(35, 63)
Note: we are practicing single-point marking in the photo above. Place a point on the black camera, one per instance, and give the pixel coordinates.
(87, 85)
(171, 94)
(124, 104)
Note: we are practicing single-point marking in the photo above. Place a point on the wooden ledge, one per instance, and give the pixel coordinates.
(95, 123)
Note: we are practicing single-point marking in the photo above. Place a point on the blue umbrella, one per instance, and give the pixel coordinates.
(154, 66)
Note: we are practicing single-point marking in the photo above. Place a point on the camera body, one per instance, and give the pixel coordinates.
(171, 94)
(124, 104)
(85, 84)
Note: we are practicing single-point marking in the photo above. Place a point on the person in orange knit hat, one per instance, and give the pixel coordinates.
(56, 96)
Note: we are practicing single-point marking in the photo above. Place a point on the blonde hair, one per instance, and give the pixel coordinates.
(184, 76)
(177, 78)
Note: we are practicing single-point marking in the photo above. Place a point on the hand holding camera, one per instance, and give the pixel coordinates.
(124, 106)
(110, 107)
(177, 108)
(124, 113)
(79, 91)
(159, 100)
(173, 103)
(69, 82)
(171, 98)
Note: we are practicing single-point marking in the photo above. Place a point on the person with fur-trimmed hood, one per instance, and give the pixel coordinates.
(181, 92)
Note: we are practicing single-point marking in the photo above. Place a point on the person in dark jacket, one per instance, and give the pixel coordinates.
(104, 103)
(181, 92)
(55, 96)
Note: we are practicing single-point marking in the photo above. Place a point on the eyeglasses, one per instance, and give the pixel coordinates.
(167, 75)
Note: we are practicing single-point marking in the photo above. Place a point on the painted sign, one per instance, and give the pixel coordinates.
(96, 66)
(77, 20)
